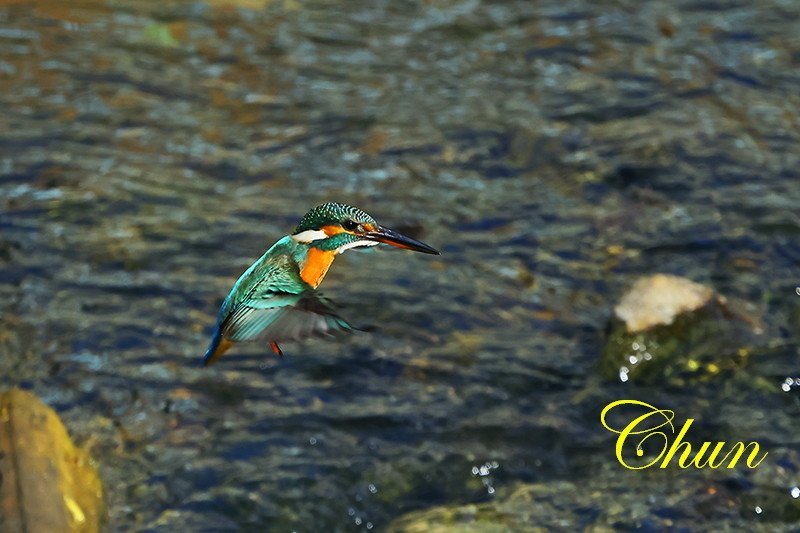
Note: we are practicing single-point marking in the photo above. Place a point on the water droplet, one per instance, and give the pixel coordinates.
(490, 490)
(786, 387)
(372, 488)
(759, 510)
(795, 492)
(312, 441)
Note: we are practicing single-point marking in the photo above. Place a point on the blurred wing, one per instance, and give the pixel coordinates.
(282, 317)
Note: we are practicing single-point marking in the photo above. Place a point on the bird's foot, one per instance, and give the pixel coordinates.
(276, 349)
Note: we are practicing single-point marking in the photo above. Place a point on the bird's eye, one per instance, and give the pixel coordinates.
(350, 225)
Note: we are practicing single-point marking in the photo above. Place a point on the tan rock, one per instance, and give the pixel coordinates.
(656, 300)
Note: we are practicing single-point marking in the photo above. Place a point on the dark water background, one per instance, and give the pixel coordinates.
(554, 150)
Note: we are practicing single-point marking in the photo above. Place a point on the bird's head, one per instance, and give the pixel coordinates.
(339, 227)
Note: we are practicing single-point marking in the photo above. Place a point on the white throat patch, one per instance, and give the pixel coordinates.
(310, 235)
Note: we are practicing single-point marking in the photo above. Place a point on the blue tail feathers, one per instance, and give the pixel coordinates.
(211, 354)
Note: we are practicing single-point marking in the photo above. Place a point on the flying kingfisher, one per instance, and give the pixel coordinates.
(276, 299)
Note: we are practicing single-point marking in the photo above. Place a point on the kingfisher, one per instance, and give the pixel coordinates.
(276, 298)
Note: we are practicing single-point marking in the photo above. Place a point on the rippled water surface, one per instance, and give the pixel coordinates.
(554, 151)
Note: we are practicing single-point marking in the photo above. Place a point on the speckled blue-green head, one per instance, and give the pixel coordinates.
(332, 214)
(340, 227)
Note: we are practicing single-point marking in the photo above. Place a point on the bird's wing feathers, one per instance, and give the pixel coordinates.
(280, 307)
(308, 315)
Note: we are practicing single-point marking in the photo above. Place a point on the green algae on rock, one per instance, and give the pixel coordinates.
(668, 329)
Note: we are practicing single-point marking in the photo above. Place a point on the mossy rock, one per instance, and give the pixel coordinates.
(407, 479)
(616, 500)
(516, 512)
(669, 330)
(46, 482)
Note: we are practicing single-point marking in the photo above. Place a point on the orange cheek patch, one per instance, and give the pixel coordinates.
(330, 231)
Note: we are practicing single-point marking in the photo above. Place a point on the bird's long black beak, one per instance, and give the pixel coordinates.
(390, 236)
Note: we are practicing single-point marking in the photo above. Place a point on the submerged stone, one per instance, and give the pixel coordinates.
(605, 502)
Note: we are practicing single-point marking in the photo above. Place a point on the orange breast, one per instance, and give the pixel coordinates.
(316, 266)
